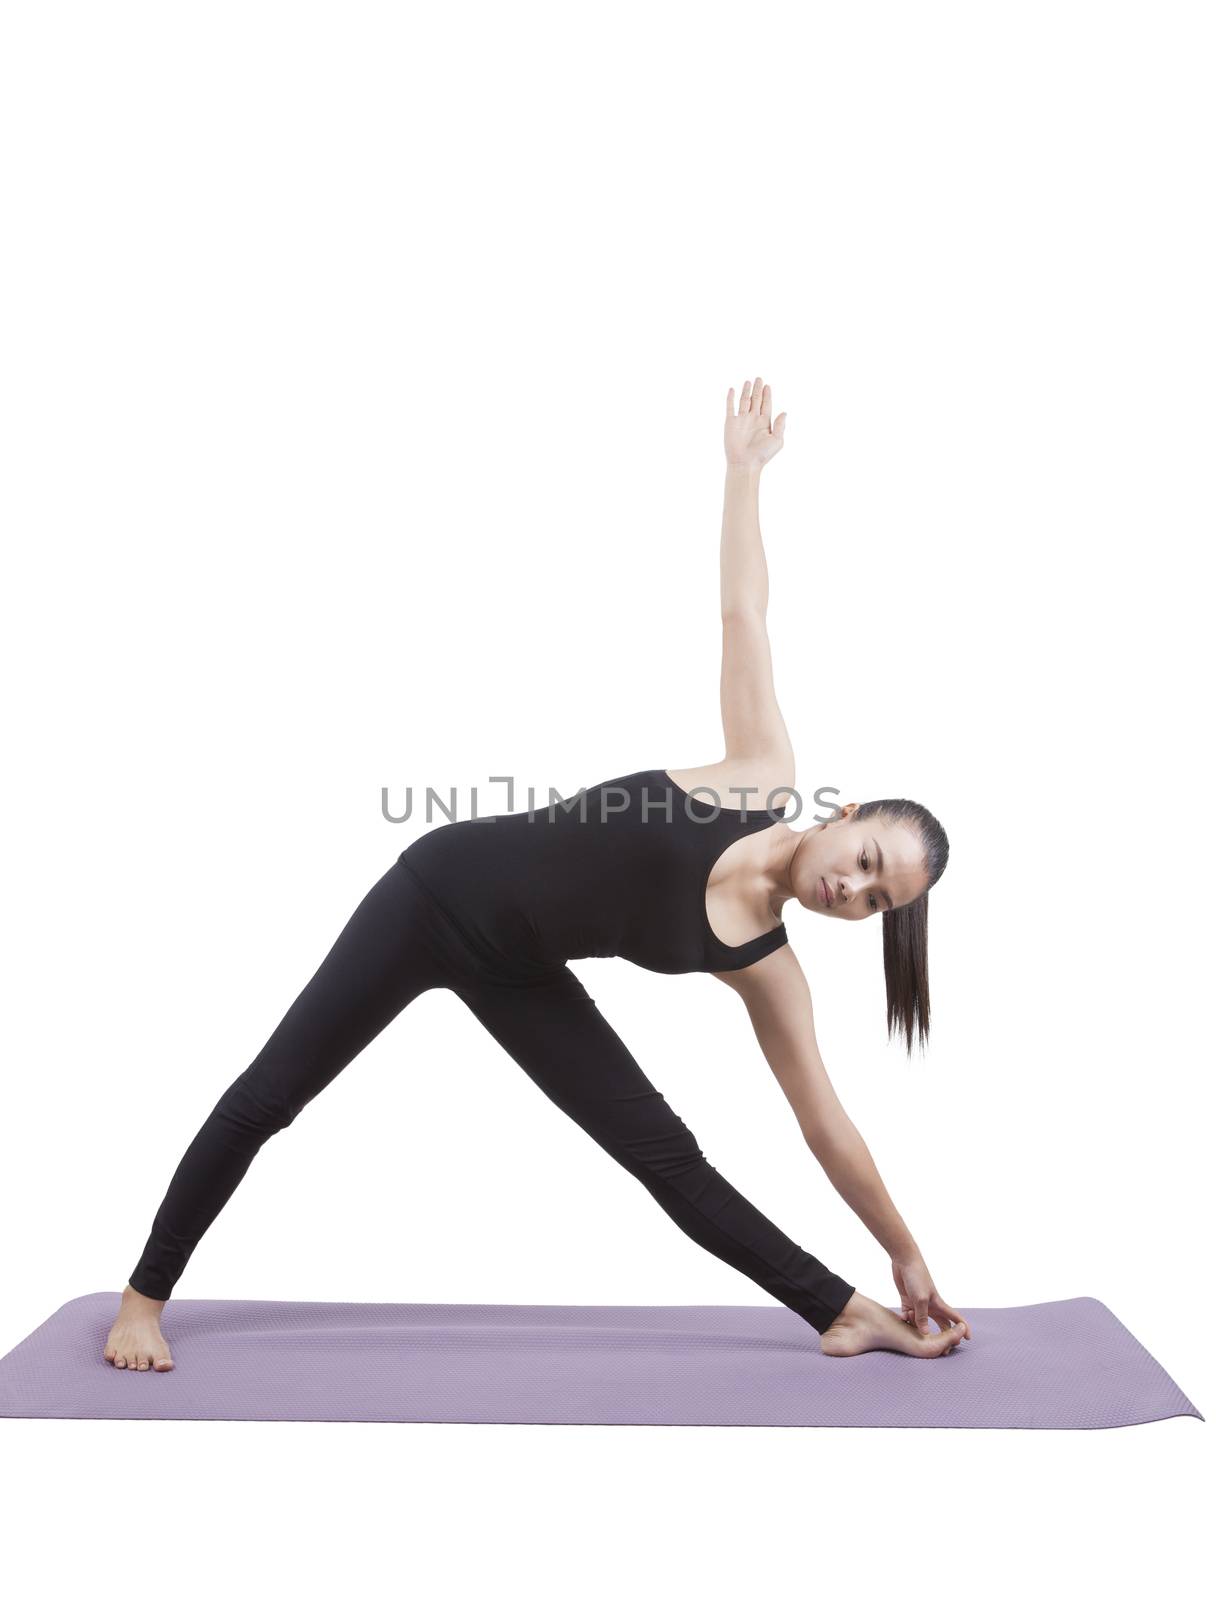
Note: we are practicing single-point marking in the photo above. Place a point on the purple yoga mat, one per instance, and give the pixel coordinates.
(1062, 1364)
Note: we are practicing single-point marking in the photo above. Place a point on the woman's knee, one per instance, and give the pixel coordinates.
(670, 1153)
(256, 1105)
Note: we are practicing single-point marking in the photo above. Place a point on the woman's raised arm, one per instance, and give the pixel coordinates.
(751, 718)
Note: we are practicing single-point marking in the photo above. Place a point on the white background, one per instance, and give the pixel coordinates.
(363, 383)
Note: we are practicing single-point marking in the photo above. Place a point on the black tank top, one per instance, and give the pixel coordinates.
(618, 870)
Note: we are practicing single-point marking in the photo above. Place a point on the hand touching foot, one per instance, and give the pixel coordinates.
(865, 1325)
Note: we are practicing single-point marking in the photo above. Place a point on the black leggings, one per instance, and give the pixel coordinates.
(399, 943)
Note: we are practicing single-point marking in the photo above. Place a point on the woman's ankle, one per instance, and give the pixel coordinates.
(855, 1302)
(132, 1296)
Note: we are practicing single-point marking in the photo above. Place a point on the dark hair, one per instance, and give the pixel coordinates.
(905, 931)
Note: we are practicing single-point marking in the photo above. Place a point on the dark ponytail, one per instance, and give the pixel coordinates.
(905, 931)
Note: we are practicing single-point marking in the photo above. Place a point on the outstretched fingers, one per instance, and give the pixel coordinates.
(756, 399)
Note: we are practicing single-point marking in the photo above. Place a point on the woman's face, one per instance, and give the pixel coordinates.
(850, 869)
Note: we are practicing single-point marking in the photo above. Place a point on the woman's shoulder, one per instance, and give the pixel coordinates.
(733, 782)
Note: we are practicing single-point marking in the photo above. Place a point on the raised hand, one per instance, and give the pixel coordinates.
(751, 436)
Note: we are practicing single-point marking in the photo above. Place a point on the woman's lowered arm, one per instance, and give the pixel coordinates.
(778, 1001)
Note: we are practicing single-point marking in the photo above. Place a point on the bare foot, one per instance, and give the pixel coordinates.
(865, 1325)
(135, 1342)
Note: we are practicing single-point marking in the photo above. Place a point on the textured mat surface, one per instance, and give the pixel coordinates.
(1062, 1364)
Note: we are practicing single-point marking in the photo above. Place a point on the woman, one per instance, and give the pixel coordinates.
(639, 867)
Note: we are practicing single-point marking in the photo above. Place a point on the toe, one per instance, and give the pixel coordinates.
(932, 1344)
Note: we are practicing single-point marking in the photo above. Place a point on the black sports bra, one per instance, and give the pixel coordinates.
(617, 870)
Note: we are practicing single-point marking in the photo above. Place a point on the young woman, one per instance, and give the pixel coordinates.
(683, 871)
